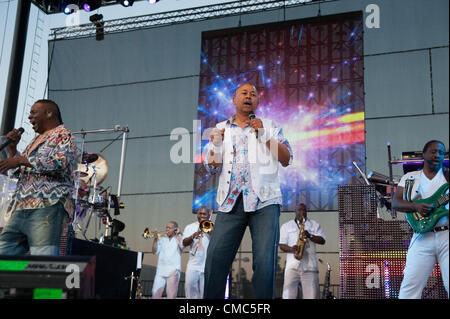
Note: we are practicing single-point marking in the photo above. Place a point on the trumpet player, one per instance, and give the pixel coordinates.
(301, 268)
(197, 238)
(169, 262)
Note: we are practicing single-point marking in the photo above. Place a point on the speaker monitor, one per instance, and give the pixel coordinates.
(47, 277)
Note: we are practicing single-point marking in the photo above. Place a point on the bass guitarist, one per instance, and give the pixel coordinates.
(426, 248)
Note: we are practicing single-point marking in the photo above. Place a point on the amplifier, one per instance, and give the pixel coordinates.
(47, 277)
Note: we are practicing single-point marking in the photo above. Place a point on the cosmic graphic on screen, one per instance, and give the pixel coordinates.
(310, 79)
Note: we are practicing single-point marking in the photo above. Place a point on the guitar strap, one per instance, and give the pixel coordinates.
(411, 191)
(408, 190)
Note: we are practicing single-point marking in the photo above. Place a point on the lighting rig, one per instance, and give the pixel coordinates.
(70, 6)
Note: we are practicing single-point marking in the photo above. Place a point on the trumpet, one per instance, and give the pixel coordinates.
(206, 226)
(148, 234)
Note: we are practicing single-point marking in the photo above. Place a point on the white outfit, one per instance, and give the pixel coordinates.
(426, 249)
(195, 269)
(263, 165)
(169, 267)
(304, 270)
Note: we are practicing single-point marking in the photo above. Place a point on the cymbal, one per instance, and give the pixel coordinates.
(86, 169)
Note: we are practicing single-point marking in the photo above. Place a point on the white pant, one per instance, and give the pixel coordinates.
(195, 282)
(309, 280)
(172, 285)
(425, 250)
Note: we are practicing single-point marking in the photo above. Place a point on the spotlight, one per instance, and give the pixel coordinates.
(126, 3)
(152, 1)
(90, 5)
(70, 6)
(68, 10)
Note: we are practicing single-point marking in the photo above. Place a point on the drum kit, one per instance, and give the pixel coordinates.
(91, 199)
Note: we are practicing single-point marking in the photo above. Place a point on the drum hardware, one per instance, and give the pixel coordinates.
(378, 178)
(91, 208)
(80, 174)
(384, 185)
(93, 165)
(89, 158)
(100, 201)
(116, 128)
(92, 170)
(361, 173)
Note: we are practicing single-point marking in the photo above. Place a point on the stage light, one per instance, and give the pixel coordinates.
(90, 5)
(95, 18)
(126, 3)
(152, 1)
(70, 7)
(99, 26)
(68, 10)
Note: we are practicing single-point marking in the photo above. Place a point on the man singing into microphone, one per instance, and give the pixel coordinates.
(246, 151)
(42, 202)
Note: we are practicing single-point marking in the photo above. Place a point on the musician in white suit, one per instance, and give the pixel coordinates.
(304, 270)
(425, 249)
(197, 241)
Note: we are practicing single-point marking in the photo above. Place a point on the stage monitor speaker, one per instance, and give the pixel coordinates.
(114, 267)
(47, 277)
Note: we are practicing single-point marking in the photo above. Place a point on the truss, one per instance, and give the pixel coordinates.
(176, 17)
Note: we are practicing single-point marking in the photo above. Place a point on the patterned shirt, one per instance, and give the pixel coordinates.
(49, 180)
(241, 181)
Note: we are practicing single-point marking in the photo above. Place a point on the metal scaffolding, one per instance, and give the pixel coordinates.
(235, 8)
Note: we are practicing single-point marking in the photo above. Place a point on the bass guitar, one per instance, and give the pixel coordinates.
(423, 224)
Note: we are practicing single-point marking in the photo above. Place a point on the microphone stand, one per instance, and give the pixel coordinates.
(391, 179)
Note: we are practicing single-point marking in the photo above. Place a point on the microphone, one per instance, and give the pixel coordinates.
(9, 141)
(251, 116)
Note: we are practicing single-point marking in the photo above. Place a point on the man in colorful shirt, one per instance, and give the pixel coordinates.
(42, 202)
(246, 152)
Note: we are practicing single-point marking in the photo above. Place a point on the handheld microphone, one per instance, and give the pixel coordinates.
(251, 116)
(9, 141)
